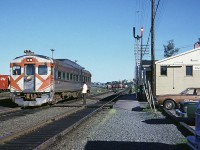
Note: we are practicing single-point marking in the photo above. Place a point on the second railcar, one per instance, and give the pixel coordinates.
(37, 79)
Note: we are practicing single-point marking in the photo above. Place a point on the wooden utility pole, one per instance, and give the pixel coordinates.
(152, 50)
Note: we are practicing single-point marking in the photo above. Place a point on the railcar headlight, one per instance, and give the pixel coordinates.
(29, 77)
(29, 59)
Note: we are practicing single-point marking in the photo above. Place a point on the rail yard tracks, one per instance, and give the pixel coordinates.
(8, 108)
(45, 133)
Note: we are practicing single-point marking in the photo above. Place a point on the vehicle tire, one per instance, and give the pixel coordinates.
(169, 104)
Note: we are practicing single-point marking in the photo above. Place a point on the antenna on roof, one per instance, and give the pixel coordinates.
(52, 50)
(28, 52)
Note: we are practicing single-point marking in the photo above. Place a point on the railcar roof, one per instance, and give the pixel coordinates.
(64, 61)
(42, 56)
(72, 63)
(69, 62)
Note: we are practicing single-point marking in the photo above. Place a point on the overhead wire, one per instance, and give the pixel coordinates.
(142, 18)
(151, 28)
(141, 15)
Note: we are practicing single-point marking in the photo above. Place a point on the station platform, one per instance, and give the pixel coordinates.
(137, 127)
(130, 102)
(127, 126)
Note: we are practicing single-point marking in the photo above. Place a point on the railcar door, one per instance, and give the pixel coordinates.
(29, 78)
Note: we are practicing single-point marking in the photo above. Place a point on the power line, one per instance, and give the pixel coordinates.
(151, 27)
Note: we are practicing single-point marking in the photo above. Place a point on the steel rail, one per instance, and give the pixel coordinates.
(186, 127)
(42, 135)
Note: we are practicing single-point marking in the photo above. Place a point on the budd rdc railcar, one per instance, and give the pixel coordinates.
(36, 79)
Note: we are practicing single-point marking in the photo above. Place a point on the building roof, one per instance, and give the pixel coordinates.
(178, 55)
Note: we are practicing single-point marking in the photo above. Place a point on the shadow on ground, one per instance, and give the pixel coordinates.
(158, 121)
(137, 108)
(118, 145)
(7, 103)
(128, 97)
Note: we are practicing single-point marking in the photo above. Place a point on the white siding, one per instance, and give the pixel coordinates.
(176, 79)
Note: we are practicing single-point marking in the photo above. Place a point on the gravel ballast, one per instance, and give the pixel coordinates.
(29, 120)
(125, 127)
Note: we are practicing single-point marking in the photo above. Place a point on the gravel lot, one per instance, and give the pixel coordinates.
(125, 127)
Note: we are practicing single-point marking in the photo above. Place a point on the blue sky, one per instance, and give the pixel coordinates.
(97, 33)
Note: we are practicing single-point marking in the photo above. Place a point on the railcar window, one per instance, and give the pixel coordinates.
(77, 78)
(30, 69)
(82, 79)
(16, 70)
(42, 70)
(63, 75)
(67, 76)
(71, 76)
(59, 75)
(55, 73)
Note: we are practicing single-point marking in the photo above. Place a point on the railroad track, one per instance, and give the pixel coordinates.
(4, 95)
(12, 113)
(42, 135)
(9, 110)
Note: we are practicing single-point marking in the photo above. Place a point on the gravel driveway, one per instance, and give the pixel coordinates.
(125, 127)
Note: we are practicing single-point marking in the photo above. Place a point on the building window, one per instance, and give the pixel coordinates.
(189, 71)
(163, 70)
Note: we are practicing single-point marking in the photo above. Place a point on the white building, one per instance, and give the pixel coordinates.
(176, 73)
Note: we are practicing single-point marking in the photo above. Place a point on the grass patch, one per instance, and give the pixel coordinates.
(182, 144)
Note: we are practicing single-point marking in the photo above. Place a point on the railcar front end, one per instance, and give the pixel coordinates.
(31, 79)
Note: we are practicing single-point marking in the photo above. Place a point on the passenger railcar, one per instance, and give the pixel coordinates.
(37, 79)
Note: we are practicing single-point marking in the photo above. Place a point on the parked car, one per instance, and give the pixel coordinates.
(187, 109)
(171, 101)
